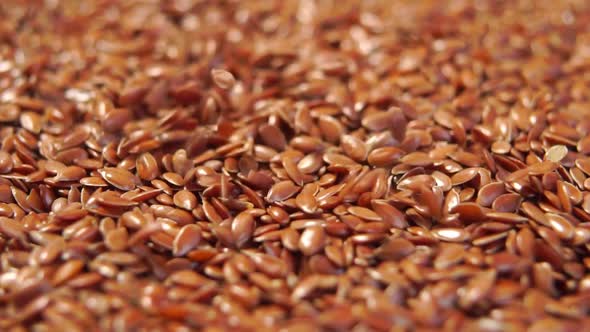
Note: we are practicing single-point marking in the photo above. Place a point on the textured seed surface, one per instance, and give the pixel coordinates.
(294, 165)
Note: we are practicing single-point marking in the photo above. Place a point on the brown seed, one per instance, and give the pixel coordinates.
(306, 200)
(185, 199)
(115, 119)
(534, 213)
(118, 177)
(147, 167)
(507, 203)
(395, 249)
(312, 240)
(116, 239)
(451, 234)
(187, 239)
(31, 121)
(242, 228)
(6, 163)
(272, 136)
(389, 214)
(488, 194)
(560, 225)
(67, 271)
(385, 156)
(281, 191)
(364, 213)
(464, 176)
(353, 147)
(223, 78)
(417, 159)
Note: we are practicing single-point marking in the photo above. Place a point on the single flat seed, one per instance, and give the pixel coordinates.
(390, 214)
(464, 176)
(534, 213)
(556, 153)
(354, 147)
(450, 234)
(31, 121)
(67, 271)
(6, 163)
(118, 177)
(501, 147)
(281, 191)
(306, 200)
(364, 213)
(385, 156)
(272, 136)
(173, 178)
(312, 240)
(417, 159)
(116, 239)
(187, 239)
(563, 228)
(147, 167)
(185, 199)
(507, 203)
(242, 228)
(395, 249)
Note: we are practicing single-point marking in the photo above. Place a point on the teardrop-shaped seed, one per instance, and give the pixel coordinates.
(187, 239)
(242, 228)
(312, 240)
(118, 177)
(281, 191)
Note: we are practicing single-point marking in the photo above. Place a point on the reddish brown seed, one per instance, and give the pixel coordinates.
(488, 194)
(451, 234)
(187, 239)
(242, 228)
(116, 240)
(395, 249)
(507, 203)
(306, 200)
(185, 199)
(417, 159)
(312, 240)
(525, 242)
(464, 176)
(364, 213)
(560, 225)
(115, 119)
(147, 167)
(501, 147)
(281, 191)
(223, 78)
(385, 156)
(6, 163)
(389, 214)
(67, 271)
(353, 147)
(534, 213)
(118, 177)
(272, 136)
(31, 121)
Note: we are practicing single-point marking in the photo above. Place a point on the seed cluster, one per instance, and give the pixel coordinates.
(294, 165)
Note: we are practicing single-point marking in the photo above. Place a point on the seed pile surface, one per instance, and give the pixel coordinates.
(294, 165)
